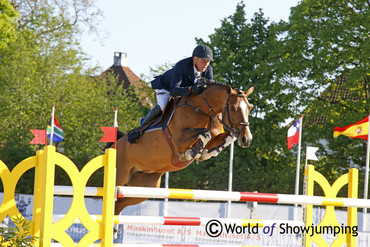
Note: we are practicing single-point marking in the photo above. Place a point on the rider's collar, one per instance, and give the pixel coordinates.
(196, 73)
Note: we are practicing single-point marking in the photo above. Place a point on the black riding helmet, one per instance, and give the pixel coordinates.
(203, 52)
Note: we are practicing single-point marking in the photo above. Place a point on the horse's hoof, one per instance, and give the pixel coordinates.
(115, 233)
(185, 156)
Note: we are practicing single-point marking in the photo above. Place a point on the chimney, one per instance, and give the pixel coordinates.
(120, 59)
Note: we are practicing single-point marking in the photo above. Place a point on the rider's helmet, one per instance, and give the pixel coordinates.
(203, 52)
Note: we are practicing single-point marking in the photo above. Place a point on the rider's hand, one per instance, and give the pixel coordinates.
(197, 88)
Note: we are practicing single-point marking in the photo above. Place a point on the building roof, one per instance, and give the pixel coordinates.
(338, 91)
(128, 78)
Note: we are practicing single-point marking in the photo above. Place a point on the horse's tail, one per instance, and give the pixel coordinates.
(120, 134)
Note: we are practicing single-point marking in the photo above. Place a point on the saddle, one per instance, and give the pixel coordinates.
(162, 120)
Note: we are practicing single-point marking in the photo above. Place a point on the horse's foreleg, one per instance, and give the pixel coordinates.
(215, 150)
(138, 179)
(204, 137)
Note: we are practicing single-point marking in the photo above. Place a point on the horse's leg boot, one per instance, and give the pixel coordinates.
(197, 150)
(135, 134)
(213, 152)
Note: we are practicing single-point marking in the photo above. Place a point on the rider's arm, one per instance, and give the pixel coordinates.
(176, 88)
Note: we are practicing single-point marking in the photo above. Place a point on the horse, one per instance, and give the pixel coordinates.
(201, 126)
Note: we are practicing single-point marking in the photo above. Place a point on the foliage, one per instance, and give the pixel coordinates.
(291, 63)
(328, 46)
(82, 15)
(8, 20)
(248, 54)
(158, 70)
(44, 66)
(19, 235)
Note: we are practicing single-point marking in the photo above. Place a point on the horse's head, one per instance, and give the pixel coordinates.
(236, 116)
(232, 103)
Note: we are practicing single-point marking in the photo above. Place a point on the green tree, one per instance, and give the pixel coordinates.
(8, 23)
(43, 66)
(328, 41)
(291, 63)
(248, 53)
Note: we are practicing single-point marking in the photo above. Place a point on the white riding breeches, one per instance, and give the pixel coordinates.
(162, 96)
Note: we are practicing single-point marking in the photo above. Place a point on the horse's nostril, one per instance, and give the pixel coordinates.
(244, 139)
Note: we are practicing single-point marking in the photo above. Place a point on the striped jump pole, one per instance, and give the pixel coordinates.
(68, 191)
(163, 245)
(184, 221)
(174, 245)
(162, 193)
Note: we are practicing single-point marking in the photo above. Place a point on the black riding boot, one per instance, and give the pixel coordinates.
(135, 134)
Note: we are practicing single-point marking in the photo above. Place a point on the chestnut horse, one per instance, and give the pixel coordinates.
(201, 126)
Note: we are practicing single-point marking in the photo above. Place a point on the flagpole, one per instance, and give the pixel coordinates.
(298, 156)
(115, 123)
(52, 125)
(296, 192)
(366, 186)
(230, 184)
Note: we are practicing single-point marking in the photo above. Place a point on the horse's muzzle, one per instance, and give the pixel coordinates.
(244, 141)
(245, 137)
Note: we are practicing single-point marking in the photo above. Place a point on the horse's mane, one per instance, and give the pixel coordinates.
(217, 83)
(212, 82)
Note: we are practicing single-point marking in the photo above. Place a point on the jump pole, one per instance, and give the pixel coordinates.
(184, 221)
(162, 193)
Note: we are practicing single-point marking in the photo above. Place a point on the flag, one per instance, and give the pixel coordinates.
(293, 134)
(110, 134)
(356, 130)
(40, 137)
(58, 134)
(311, 153)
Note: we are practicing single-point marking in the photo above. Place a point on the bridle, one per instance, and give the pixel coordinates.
(231, 128)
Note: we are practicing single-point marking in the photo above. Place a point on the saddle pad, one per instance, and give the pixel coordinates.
(160, 125)
(151, 127)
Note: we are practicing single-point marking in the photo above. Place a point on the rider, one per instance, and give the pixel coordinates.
(178, 81)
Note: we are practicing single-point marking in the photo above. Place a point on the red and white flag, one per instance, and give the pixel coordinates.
(293, 134)
(40, 137)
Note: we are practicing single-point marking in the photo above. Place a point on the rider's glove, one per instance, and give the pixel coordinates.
(197, 88)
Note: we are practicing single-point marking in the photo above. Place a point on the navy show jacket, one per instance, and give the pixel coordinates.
(178, 79)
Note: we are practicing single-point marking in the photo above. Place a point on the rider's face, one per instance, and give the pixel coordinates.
(201, 64)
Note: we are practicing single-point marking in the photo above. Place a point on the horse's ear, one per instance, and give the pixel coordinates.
(249, 91)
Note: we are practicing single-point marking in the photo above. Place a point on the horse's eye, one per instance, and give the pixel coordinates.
(232, 108)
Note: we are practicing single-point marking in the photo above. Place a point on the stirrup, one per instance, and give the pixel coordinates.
(134, 136)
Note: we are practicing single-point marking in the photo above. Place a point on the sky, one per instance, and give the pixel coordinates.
(155, 32)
